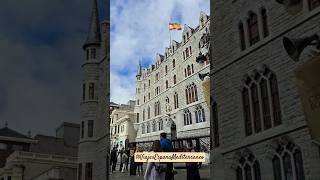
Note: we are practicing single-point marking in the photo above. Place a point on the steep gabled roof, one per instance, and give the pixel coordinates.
(94, 35)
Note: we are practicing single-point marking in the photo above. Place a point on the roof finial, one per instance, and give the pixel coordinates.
(94, 35)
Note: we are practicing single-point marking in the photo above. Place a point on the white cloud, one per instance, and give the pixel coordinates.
(140, 29)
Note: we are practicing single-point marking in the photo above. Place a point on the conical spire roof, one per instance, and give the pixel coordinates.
(94, 35)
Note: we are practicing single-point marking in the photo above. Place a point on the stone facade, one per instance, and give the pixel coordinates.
(121, 128)
(232, 66)
(157, 85)
(94, 112)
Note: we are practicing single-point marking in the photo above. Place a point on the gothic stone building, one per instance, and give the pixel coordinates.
(169, 94)
(260, 127)
(94, 106)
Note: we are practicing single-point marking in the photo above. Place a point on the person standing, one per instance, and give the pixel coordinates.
(124, 159)
(192, 167)
(113, 159)
(140, 164)
(133, 166)
(120, 158)
(166, 146)
(155, 170)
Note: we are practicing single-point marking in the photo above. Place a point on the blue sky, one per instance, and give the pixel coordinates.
(139, 30)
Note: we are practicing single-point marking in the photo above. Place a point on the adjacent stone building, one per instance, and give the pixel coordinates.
(94, 105)
(260, 129)
(169, 95)
(41, 157)
(122, 131)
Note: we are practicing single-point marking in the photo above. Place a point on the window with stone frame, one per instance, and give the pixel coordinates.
(176, 100)
(253, 28)
(242, 37)
(248, 168)
(154, 128)
(187, 52)
(82, 129)
(91, 90)
(90, 128)
(93, 53)
(191, 93)
(87, 54)
(138, 117)
(149, 96)
(260, 101)
(174, 79)
(264, 18)
(166, 69)
(148, 127)
(173, 63)
(143, 115)
(200, 114)
(143, 130)
(167, 84)
(288, 163)
(149, 113)
(313, 4)
(190, 52)
(88, 172)
(83, 91)
(160, 124)
(187, 117)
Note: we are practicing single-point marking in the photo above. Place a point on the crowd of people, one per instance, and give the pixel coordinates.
(154, 170)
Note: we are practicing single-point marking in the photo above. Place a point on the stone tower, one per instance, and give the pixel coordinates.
(93, 144)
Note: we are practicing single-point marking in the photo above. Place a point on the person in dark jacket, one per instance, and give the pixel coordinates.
(113, 159)
(133, 165)
(166, 146)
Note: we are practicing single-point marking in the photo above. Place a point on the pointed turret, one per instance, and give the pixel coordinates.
(94, 36)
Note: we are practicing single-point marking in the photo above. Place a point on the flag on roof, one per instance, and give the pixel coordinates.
(175, 26)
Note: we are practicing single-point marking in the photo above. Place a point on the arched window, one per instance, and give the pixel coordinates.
(83, 91)
(154, 129)
(167, 84)
(91, 90)
(174, 79)
(149, 114)
(176, 100)
(173, 63)
(187, 52)
(288, 163)
(190, 52)
(148, 127)
(166, 69)
(160, 125)
(256, 108)
(187, 95)
(200, 115)
(144, 115)
(261, 91)
(242, 36)
(187, 117)
(249, 167)
(264, 22)
(143, 131)
(189, 70)
(253, 28)
(192, 68)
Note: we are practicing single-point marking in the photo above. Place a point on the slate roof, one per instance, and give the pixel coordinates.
(11, 133)
(94, 35)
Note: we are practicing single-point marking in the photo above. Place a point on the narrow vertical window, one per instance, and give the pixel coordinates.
(91, 91)
(90, 128)
(241, 36)
(88, 175)
(275, 100)
(93, 53)
(239, 173)
(166, 69)
(256, 108)
(253, 28)
(190, 50)
(174, 79)
(265, 104)
(149, 112)
(246, 110)
(256, 169)
(247, 171)
(276, 168)
(82, 129)
(83, 91)
(87, 54)
(298, 163)
(187, 95)
(143, 115)
(192, 68)
(187, 52)
(264, 22)
(167, 84)
(79, 171)
(138, 118)
(173, 63)
(288, 173)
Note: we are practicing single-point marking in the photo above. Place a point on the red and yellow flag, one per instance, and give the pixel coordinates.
(175, 26)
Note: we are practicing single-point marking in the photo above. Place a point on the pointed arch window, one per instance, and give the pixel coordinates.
(187, 117)
(149, 113)
(253, 28)
(166, 69)
(288, 163)
(160, 125)
(176, 100)
(249, 168)
(242, 36)
(200, 115)
(154, 126)
(174, 79)
(190, 52)
(261, 100)
(187, 52)
(91, 91)
(143, 130)
(264, 22)
(167, 84)
(148, 127)
(173, 63)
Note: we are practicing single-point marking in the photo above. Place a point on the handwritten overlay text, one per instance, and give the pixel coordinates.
(169, 157)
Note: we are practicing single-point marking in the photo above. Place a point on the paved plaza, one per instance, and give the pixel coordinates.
(181, 175)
